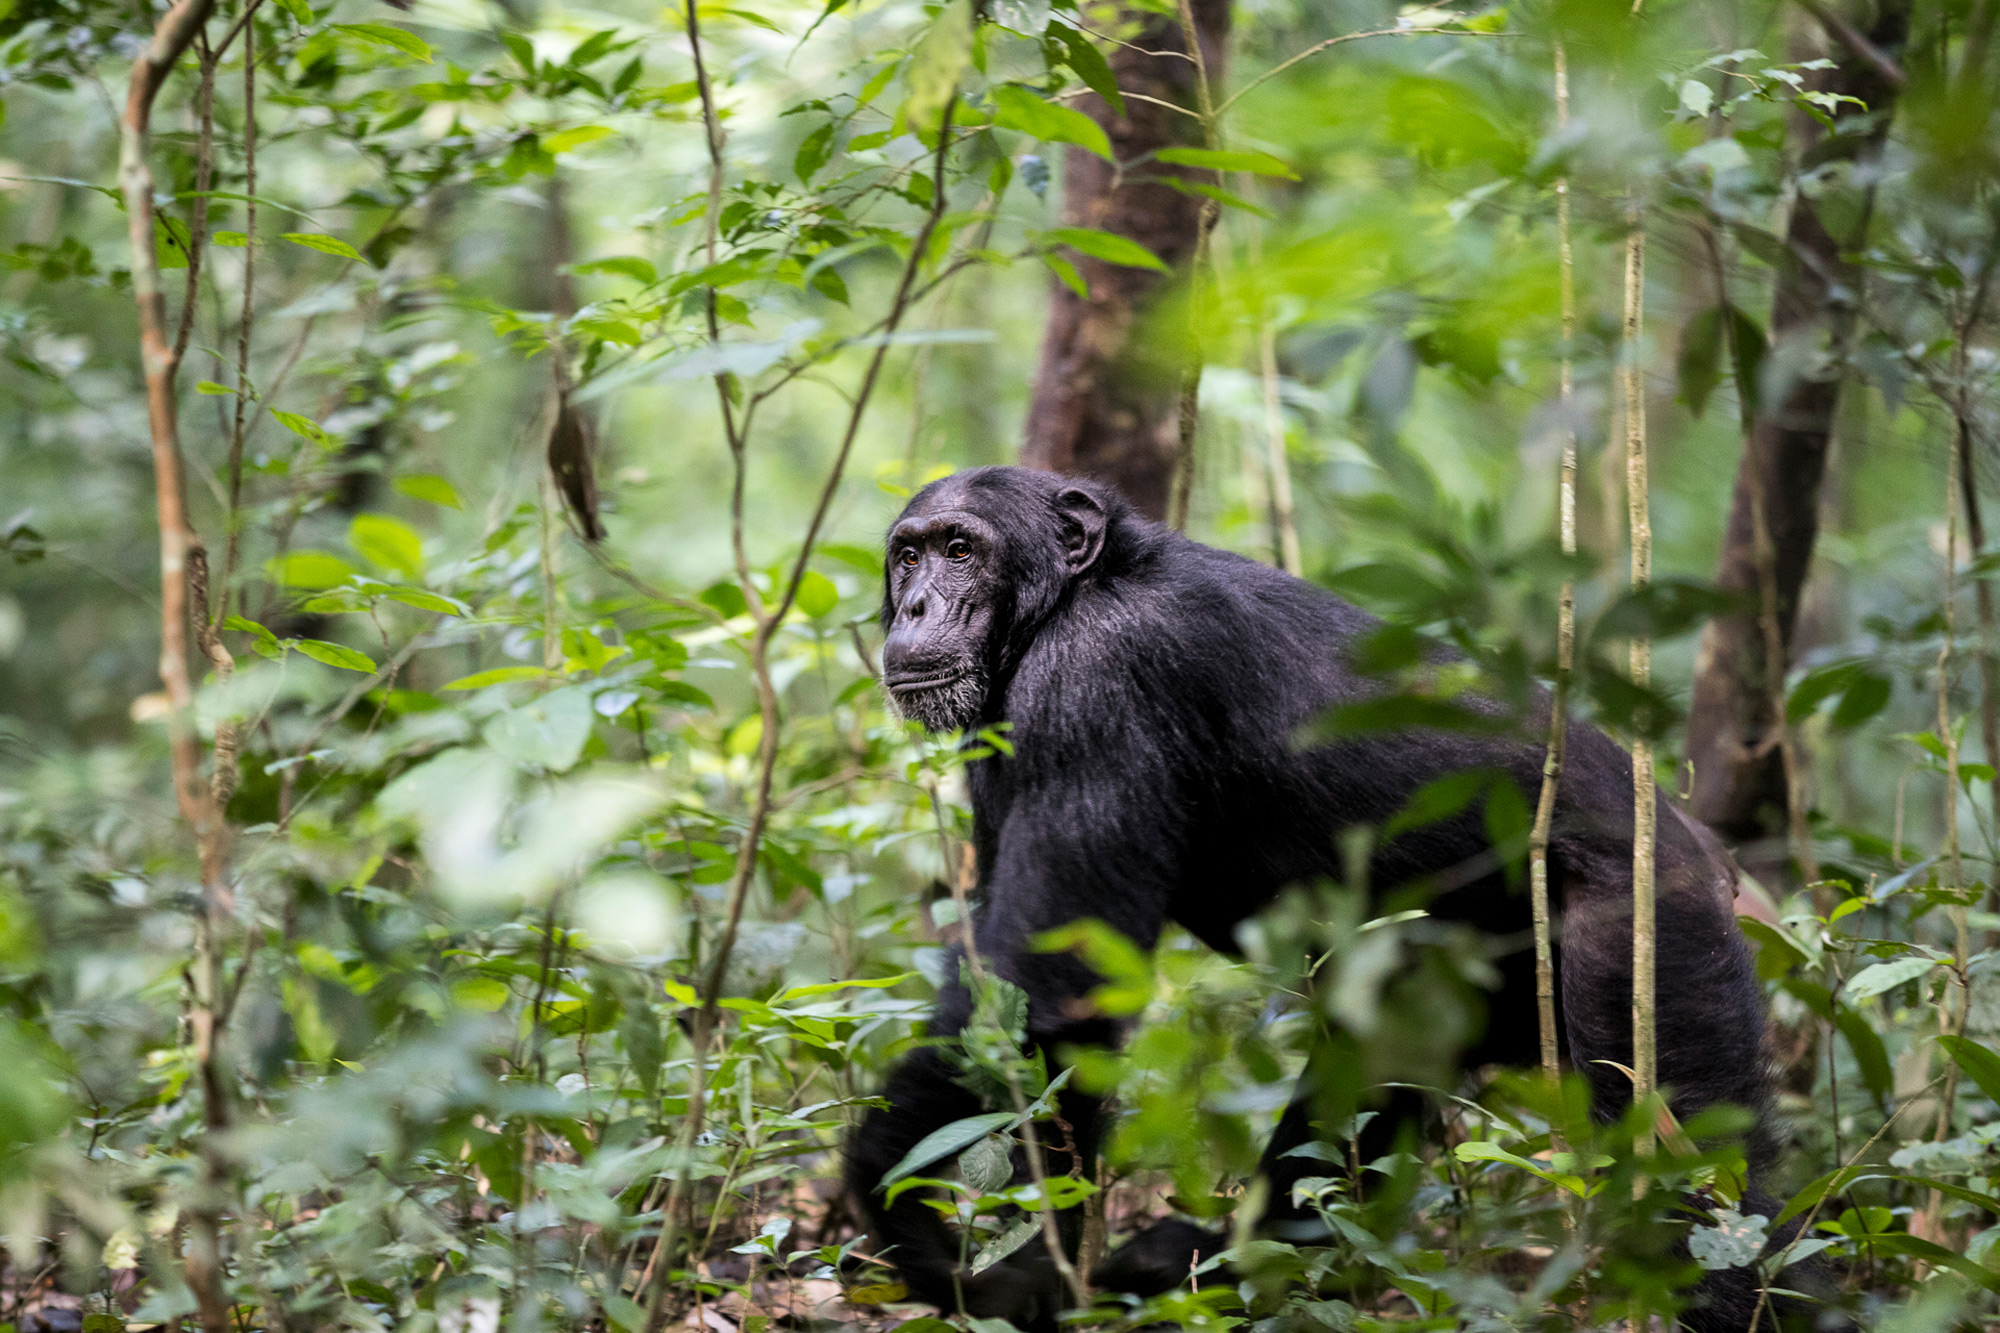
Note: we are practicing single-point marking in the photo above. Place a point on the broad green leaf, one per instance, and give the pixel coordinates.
(627, 266)
(309, 570)
(305, 428)
(426, 601)
(266, 643)
(1086, 62)
(328, 245)
(547, 732)
(562, 141)
(1013, 1238)
(387, 542)
(335, 654)
(381, 34)
(1980, 1064)
(953, 1138)
(1874, 980)
(213, 390)
(1107, 246)
(817, 595)
(1016, 108)
(1228, 159)
(430, 488)
(940, 58)
(479, 680)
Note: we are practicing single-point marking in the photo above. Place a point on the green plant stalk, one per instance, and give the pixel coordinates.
(1038, 1170)
(769, 619)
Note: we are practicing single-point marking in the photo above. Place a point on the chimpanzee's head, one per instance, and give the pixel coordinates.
(975, 564)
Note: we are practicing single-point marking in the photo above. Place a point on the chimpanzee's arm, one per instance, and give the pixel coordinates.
(1055, 862)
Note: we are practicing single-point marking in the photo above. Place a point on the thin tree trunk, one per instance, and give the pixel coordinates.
(1552, 762)
(1645, 806)
(1105, 404)
(183, 598)
(1739, 778)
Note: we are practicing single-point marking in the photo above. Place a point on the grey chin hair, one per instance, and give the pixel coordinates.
(953, 707)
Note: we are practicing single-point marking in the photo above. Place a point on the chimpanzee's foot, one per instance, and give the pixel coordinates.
(1157, 1259)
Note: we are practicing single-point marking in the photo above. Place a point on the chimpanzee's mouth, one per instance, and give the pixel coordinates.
(919, 684)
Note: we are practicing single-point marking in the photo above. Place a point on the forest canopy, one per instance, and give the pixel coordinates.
(458, 866)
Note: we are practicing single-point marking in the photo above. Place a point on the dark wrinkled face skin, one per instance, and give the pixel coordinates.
(943, 591)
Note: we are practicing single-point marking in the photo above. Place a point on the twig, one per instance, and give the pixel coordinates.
(1645, 813)
(769, 620)
(1552, 761)
(246, 321)
(1188, 414)
(1038, 1170)
(1951, 1021)
(204, 171)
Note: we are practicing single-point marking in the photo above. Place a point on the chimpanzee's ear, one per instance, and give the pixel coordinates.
(1083, 523)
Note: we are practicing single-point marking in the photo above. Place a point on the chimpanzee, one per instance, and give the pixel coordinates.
(1156, 690)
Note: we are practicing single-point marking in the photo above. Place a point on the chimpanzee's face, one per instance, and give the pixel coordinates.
(943, 598)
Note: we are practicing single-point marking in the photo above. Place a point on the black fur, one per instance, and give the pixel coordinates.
(1154, 687)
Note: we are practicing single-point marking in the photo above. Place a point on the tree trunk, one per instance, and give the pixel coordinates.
(1105, 405)
(1733, 741)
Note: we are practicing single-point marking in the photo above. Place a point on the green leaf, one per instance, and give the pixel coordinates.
(1107, 246)
(266, 644)
(298, 9)
(335, 654)
(1776, 953)
(1981, 1065)
(388, 543)
(479, 680)
(562, 141)
(1087, 63)
(305, 428)
(309, 570)
(814, 152)
(320, 241)
(211, 389)
(1067, 275)
(940, 58)
(953, 1138)
(430, 488)
(426, 601)
(381, 34)
(1215, 159)
(626, 266)
(817, 595)
(1874, 980)
(1016, 108)
(1013, 1238)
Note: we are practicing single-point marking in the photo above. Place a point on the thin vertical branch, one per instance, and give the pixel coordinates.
(204, 178)
(183, 578)
(1645, 810)
(1188, 415)
(1552, 761)
(769, 618)
(1951, 1017)
(245, 322)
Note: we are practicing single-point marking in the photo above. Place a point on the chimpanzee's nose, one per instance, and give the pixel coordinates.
(914, 608)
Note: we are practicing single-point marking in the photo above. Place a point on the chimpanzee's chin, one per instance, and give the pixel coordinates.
(949, 705)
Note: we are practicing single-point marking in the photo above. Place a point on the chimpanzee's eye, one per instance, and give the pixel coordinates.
(959, 549)
(910, 557)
